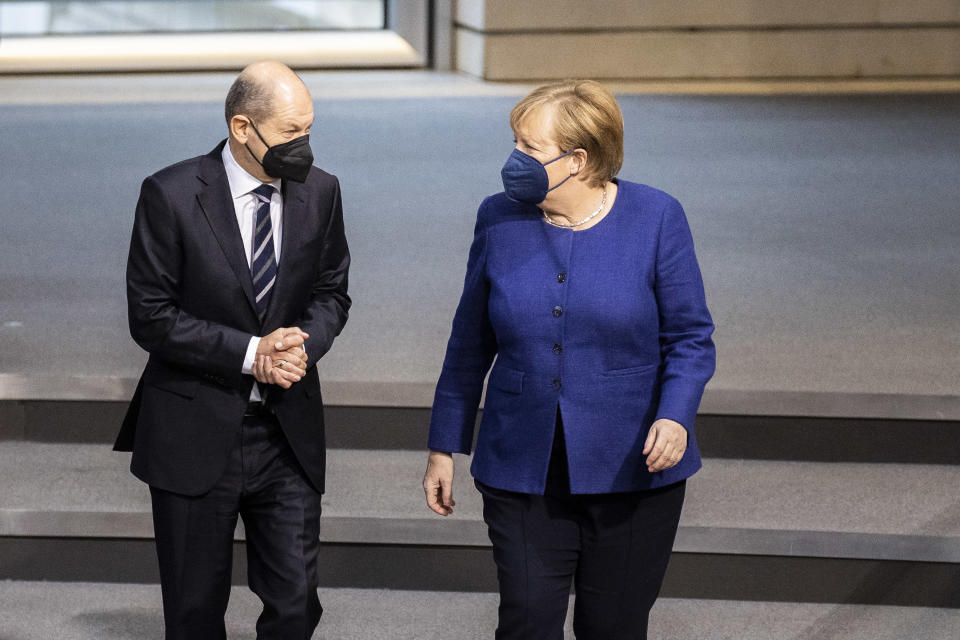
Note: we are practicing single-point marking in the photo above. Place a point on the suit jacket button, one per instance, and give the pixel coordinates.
(562, 277)
(556, 384)
(557, 349)
(557, 311)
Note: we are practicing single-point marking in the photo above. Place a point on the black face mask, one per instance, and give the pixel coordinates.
(290, 160)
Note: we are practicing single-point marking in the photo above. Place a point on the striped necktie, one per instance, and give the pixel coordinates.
(263, 266)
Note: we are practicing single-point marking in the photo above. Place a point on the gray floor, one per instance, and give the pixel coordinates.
(751, 494)
(79, 611)
(826, 227)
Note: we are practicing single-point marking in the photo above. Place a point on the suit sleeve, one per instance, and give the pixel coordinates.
(157, 323)
(326, 314)
(686, 347)
(470, 352)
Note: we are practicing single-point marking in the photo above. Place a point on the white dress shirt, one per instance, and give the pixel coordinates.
(245, 203)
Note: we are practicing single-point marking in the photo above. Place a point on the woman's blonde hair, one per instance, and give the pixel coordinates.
(585, 116)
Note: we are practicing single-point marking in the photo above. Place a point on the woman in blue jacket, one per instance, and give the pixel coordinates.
(584, 293)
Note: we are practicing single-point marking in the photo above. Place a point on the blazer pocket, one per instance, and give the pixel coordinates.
(185, 388)
(506, 379)
(168, 380)
(630, 371)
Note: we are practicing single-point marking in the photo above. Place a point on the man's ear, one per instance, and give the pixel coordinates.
(240, 128)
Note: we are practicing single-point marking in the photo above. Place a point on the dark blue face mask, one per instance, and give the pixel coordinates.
(525, 179)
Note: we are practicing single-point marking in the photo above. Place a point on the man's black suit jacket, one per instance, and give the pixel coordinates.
(191, 306)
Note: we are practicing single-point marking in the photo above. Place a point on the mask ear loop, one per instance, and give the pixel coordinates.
(559, 184)
(259, 162)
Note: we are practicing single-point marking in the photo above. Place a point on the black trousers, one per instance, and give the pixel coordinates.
(263, 484)
(614, 548)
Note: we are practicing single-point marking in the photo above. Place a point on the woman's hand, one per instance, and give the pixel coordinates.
(438, 483)
(665, 446)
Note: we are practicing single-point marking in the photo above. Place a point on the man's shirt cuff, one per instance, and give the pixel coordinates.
(251, 355)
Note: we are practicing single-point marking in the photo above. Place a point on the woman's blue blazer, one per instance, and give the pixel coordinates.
(610, 324)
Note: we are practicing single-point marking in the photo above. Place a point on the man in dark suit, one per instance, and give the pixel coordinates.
(236, 284)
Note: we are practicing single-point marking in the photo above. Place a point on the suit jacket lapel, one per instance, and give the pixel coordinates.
(217, 205)
(294, 212)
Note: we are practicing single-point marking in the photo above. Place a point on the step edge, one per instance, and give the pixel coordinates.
(716, 401)
(466, 533)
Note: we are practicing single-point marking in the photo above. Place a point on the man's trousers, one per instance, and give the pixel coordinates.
(264, 485)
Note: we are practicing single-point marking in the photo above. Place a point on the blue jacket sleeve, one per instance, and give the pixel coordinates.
(686, 348)
(470, 352)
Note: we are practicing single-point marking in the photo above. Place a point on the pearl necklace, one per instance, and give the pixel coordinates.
(571, 225)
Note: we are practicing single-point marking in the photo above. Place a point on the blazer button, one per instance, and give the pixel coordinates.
(556, 384)
(557, 311)
(562, 277)
(557, 349)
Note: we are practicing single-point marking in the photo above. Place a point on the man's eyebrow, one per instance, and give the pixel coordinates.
(290, 124)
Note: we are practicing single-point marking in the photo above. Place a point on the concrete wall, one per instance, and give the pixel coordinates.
(690, 39)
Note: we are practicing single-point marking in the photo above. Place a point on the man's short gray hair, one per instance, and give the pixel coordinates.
(248, 97)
